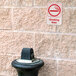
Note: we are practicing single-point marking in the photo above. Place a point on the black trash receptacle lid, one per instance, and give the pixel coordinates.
(35, 64)
(27, 60)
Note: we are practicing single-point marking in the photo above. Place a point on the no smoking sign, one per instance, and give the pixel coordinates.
(54, 14)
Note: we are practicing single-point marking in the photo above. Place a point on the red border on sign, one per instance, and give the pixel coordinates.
(53, 10)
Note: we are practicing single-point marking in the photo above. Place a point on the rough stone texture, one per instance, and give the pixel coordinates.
(64, 47)
(61, 46)
(44, 45)
(2, 3)
(40, 2)
(5, 65)
(13, 42)
(49, 68)
(67, 44)
(55, 46)
(72, 27)
(68, 25)
(66, 3)
(6, 3)
(6, 68)
(16, 3)
(48, 45)
(66, 68)
(72, 47)
(5, 18)
(9, 3)
(22, 3)
(24, 24)
(65, 23)
(32, 17)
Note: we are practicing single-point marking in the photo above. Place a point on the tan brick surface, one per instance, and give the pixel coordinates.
(5, 18)
(65, 22)
(67, 68)
(64, 47)
(66, 3)
(14, 72)
(9, 3)
(33, 19)
(22, 3)
(13, 42)
(55, 46)
(44, 45)
(2, 3)
(5, 65)
(49, 68)
(24, 24)
(16, 3)
(72, 27)
(40, 2)
(6, 3)
(68, 24)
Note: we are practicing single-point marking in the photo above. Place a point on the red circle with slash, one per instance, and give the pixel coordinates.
(56, 10)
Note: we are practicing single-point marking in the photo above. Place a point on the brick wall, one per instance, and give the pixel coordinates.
(23, 24)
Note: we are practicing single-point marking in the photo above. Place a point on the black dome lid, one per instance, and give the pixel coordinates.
(32, 65)
(28, 54)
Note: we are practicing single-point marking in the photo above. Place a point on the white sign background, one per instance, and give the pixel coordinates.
(54, 14)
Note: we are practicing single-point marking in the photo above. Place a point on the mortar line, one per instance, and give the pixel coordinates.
(57, 33)
(57, 59)
(34, 41)
(25, 7)
(38, 32)
(57, 67)
(35, 6)
(5, 3)
(69, 7)
(12, 18)
(33, 3)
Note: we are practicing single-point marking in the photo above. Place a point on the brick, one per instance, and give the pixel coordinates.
(65, 48)
(49, 68)
(2, 3)
(5, 18)
(22, 3)
(68, 25)
(40, 2)
(44, 45)
(6, 68)
(55, 46)
(62, 47)
(5, 65)
(66, 68)
(9, 3)
(13, 42)
(14, 72)
(35, 18)
(66, 3)
(64, 28)
(72, 24)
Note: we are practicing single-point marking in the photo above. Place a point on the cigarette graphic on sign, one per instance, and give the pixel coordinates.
(54, 14)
